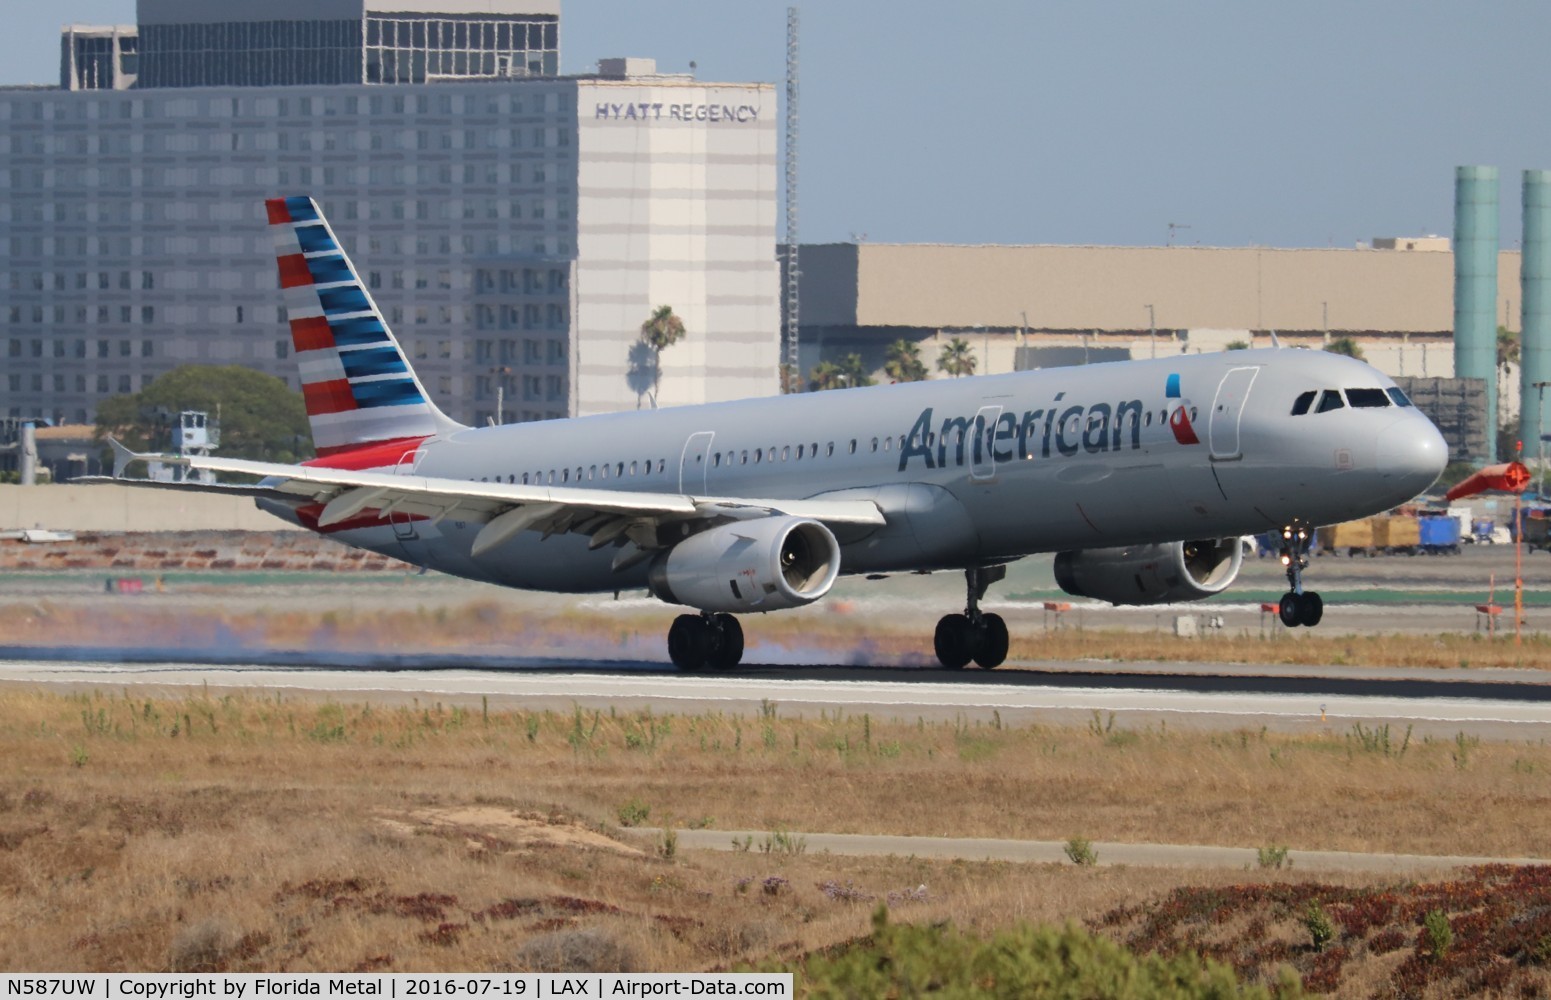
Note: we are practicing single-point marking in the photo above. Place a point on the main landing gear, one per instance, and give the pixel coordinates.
(973, 635)
(1298, 606)
(696, 642)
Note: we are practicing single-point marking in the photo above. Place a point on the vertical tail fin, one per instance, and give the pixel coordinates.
(360, 391)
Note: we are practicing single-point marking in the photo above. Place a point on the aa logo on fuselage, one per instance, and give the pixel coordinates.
(1179, 413)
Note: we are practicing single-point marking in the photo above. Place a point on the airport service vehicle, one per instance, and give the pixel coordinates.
(1140, 476)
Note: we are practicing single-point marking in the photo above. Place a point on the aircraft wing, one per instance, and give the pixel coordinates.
(333, 496)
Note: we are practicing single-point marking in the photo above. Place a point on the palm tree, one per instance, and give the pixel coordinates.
(956, 358)
(902, 361)
(1346, 346)
(661, 330)
(826, 375)
(847, 373)
(1507, 357)
(1507, 348)
(854, 370)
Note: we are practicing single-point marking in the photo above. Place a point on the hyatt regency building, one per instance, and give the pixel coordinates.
(515, 226)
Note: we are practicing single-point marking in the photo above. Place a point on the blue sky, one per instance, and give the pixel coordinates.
(1320, 123)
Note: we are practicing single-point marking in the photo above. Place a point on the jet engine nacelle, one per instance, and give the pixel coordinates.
(1151, 574)
(764, 564)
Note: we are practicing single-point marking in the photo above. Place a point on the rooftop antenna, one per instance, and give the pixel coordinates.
(790, 320)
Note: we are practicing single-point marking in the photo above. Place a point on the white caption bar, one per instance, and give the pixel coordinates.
(396, 986)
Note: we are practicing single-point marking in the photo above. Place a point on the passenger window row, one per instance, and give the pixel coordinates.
(1332, 399)
(720, 459)
(759, 456)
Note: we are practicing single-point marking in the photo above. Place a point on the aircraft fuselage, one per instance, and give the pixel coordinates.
(969, 471)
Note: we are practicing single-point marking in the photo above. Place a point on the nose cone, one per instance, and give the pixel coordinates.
(1411, 455)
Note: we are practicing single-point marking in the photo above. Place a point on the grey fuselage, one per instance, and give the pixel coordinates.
(971, 471)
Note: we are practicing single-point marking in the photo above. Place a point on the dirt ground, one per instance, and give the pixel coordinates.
(262, 832)
(270, 833)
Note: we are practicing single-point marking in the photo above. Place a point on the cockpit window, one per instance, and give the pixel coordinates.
(1398, 396)
(1367, 397)
(1303, 402)
(1329, 400)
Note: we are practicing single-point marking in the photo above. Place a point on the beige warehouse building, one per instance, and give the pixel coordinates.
(1396, 299)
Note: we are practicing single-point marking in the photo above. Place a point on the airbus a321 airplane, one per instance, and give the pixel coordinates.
(1140, 475)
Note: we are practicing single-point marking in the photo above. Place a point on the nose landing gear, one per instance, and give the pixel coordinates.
(1298, 606)
(973, 636)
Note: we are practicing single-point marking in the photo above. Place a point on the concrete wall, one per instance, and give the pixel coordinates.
(123, 508)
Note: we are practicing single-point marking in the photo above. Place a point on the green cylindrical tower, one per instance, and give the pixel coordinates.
(1535, 299)
(1475, 288)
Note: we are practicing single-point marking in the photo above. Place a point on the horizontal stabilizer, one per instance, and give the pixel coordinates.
(123, 457)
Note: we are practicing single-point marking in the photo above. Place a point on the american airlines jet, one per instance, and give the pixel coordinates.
(1140, 475)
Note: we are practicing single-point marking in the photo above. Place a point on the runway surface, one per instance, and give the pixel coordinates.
(1106, 853)
(1493, 704)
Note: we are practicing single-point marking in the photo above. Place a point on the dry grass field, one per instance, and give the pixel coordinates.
(250, 832)
(255, 832)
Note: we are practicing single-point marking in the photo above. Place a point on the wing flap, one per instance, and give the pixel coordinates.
(502, 527)
(349, 504)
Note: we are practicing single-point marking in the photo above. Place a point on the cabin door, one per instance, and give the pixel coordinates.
(1227, 412)
(982, 453)
(695, 462)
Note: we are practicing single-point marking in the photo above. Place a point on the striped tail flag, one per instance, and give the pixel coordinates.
(363, 399)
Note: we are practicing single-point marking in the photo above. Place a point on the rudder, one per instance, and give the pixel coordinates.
(360, 391)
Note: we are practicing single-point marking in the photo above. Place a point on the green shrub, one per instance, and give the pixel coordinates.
(902, 960)
(202, 946)
(1081, 852)
(1462, 746)
(1440, 936)
(1272, 856)
(1321, 930)
(633, 813)
(781, 842)
(586, 949)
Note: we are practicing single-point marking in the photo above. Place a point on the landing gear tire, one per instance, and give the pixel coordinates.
(686, 643)
(952, 642)
(992, 649)
(727, 636)
(696, 642)
(972, 636)
(1298, 606)
(1307, 609)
